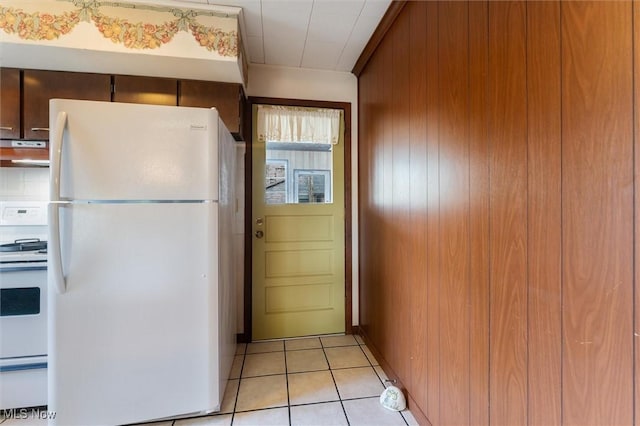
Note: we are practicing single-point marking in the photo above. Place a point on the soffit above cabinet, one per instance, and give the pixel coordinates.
(159, 38)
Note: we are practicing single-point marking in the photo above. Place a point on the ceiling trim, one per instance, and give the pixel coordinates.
(387, 20)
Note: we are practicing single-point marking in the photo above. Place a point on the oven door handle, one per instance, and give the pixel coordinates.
(56, 270)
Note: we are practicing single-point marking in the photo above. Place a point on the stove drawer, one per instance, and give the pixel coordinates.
(23, 312)
(23, 382)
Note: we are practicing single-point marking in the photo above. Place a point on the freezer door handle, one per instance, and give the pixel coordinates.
(56, 156)
(54, 206)
(55, 266)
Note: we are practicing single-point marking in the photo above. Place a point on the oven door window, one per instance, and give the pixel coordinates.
(19, 301)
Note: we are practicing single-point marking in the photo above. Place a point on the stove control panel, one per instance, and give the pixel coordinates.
(14, 213)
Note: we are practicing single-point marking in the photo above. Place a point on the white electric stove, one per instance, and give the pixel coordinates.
(23, 304)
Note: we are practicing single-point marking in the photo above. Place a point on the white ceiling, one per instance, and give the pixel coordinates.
(319, 34)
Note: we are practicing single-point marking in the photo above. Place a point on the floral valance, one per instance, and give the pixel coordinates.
(136, 26)
(296, 124)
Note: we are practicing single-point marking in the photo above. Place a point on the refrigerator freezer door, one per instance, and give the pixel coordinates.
(118, 151)
(134, 336)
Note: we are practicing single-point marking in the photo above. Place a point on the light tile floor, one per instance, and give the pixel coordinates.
(329, 380)
(332, 380)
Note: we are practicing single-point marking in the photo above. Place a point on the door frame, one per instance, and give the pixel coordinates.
(248, 224)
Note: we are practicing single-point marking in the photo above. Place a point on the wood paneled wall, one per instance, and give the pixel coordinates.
(498, 162)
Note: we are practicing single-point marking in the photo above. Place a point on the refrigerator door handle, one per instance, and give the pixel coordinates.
(56, 156)
(55, 267)
(54, 206)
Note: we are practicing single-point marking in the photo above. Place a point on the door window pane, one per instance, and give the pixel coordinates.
(312, 186)
(298, 172)
(276, 182)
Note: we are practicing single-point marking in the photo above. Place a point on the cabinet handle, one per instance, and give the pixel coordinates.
(39, 129)
(9, 128)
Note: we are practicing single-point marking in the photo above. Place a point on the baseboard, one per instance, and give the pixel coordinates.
(416, 411)
(242, 338)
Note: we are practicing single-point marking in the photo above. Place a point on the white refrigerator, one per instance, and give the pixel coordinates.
(141, 296)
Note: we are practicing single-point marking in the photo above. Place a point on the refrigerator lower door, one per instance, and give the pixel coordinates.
(135, 336)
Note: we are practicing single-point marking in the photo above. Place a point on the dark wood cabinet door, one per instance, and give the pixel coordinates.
(227, 98)
(145, 90)
(41, 86)
(9, 103)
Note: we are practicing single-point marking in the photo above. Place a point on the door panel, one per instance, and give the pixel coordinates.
(298, 251)
(306, 228)
(41, 86)
(294, 298)
(227, 98)
(292, 263)
(145, 90)
(10, 103)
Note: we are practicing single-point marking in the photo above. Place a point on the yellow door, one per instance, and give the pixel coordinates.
(298, 239)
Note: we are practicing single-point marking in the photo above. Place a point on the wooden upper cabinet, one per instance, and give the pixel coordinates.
(145, 90)
(227, 98)
(9, 103)
(41, 86)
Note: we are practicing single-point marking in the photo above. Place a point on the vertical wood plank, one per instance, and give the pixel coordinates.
(379, 231)
(544, 201)
(454, 209)
(372, 239)
(366, 142)
(636, 210)
(365, 186)
(433, 218)
(402, 269)
(597, 212)
(388, 242)
(479, 215)
(508, 215)
(418, 201)
(387, 301)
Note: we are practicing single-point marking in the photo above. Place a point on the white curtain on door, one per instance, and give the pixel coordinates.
(297, 124)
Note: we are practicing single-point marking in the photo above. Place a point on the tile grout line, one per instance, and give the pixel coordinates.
(373, 366)
(378, 376)
(286, 379)
(235, 403)
(344, 411)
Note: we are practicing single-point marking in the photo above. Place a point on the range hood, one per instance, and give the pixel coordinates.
(24, 152)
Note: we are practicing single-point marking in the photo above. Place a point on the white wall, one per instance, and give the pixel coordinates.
(24, 183)
(299, 83)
